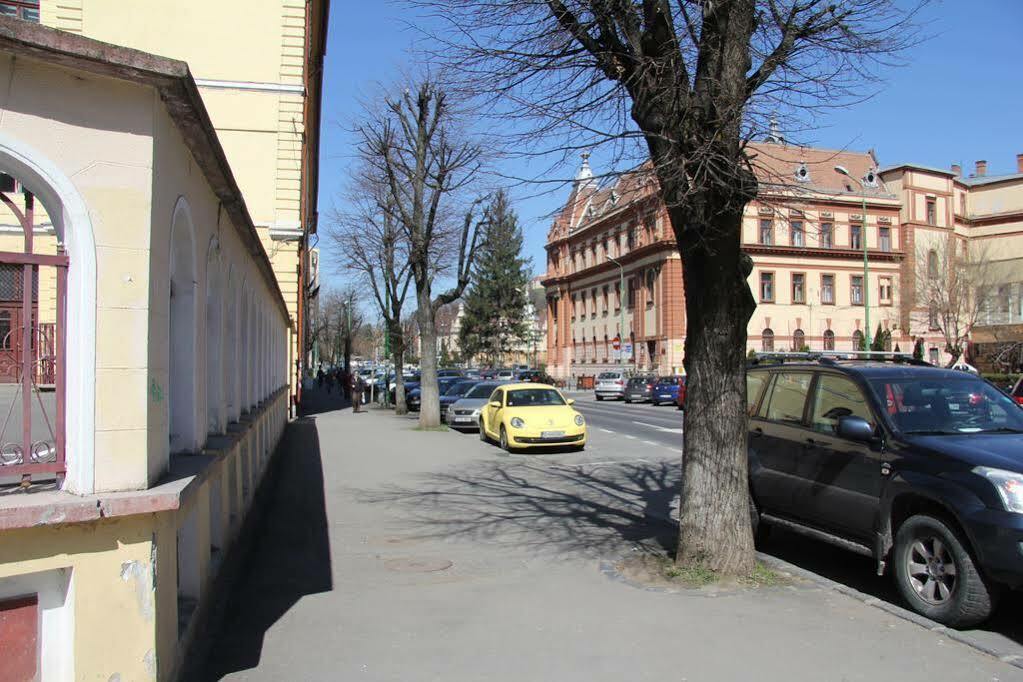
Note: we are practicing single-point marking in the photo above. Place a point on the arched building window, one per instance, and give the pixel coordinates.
(798, 340)
(767, 337)
(181, 333)
(829, 340)
(857, 340)
(932, 263)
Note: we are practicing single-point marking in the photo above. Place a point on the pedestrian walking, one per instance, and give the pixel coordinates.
(330, 382)
(319, 377)
(358, 387)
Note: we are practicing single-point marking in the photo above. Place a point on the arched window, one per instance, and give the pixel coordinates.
(767, 337)
(887, 342)
(857, 340)
(829, 340)
(5, 330)
(932, 263)
(181, 391)
(798, 340)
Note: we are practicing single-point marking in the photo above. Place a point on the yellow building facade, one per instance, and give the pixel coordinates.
(258, 66)
(126, 483)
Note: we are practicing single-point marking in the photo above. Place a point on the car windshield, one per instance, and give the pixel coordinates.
(534, 397)
(947, 406)
(460, 388)
(669, 380)
(638, 381)
(481, 391)
(608, 375)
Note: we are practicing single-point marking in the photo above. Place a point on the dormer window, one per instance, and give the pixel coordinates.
(802, 173)
(614, 198)
(870, 179)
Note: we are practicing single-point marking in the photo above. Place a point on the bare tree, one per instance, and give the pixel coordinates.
(955, 285)
(372, 245)
(693, 80)
(416, 144)
(337, 322)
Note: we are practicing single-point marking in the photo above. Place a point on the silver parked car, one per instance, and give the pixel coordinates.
(610, 385)
(464, 413)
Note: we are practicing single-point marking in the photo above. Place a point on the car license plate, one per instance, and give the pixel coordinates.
(552, 434)
(463, 419)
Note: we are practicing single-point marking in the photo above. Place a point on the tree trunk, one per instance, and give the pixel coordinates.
(429, 392)
(398, 355)
(714, 519)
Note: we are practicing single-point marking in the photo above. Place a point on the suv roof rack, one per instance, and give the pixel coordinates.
(833, 357)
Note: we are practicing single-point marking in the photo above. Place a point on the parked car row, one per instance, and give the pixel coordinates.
(616, 385)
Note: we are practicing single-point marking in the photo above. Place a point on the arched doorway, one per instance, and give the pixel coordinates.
(829, 340)
(767, 340)
(798, 340)
(181, 332)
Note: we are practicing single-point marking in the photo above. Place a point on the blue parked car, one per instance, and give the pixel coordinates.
(413, 397)
(666, 390)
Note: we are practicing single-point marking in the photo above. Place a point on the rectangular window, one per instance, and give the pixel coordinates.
(827, 235)
(932, 211)
(828, 289)
(855, 237)
(651, 278)
(884, 238)
(26, 10)
(618, 297)
(632, 293)
(593, 302)
(856, 290)
(575, 307)
(798, 287)
(884, 290)
(606, 305)
(934, 355)
(797, 233)
(962, 204)
(632, 237)
(766, 232)
(766, 287)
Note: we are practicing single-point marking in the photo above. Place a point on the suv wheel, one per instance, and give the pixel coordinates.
(937, 576)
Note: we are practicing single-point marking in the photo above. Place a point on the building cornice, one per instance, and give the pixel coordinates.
(814, 252)
(250, 86)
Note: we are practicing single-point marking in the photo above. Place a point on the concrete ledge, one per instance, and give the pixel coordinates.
(184, 476)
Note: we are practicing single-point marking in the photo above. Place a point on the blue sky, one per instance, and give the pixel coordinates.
(959, 99)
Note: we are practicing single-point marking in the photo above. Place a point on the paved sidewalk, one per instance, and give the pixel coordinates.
(394, 554)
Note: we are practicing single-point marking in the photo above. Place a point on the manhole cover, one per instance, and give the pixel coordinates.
(417, 565)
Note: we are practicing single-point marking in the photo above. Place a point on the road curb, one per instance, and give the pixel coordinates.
(892, 609)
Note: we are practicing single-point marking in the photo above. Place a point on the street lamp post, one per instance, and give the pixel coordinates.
(866, 261)
(621, 310)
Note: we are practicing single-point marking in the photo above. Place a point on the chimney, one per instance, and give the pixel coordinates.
(981, 169)
(1019, 163)
(957, 170)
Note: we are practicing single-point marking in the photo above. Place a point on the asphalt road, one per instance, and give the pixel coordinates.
(640, 430)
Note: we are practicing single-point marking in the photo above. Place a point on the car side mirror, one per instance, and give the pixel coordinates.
(495, 403)
(855, 428)
(571, 401)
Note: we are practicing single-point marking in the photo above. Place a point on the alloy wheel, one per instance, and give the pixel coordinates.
(932, 570)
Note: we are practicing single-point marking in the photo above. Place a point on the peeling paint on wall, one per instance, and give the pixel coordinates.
(140, 575)
(150, 662)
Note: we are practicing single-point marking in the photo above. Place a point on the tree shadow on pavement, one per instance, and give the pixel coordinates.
(318, 400)
(596, 509)
(288, 558)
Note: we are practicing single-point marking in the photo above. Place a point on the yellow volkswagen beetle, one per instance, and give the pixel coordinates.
(531, 415)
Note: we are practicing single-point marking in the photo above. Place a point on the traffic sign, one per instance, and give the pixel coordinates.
(616, 343)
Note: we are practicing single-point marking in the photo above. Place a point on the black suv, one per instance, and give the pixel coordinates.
(918, 467)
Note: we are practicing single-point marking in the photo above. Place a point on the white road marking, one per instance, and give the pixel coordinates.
(607, 431)
(629, 437)
(665, 429)
(650, 442)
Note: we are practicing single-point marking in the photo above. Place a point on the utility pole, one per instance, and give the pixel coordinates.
(621, 309)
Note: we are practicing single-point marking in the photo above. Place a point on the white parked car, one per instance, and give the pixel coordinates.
(610, 385)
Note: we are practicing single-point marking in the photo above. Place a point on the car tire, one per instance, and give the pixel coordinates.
(679, 408)
(628, 401)
(599, 398)
(504, 441)
(483, 433)
(932, 542)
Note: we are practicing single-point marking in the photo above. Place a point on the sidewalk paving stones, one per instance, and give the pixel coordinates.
(394, 554)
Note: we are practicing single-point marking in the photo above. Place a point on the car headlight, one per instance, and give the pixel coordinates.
(517, 423)
(579, 421)
(475, 413)
(1009, 485)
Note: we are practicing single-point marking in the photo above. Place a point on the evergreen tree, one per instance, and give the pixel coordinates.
(918, 350)
(495, 320)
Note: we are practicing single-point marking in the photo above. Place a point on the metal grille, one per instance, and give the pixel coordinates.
(12, 282)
